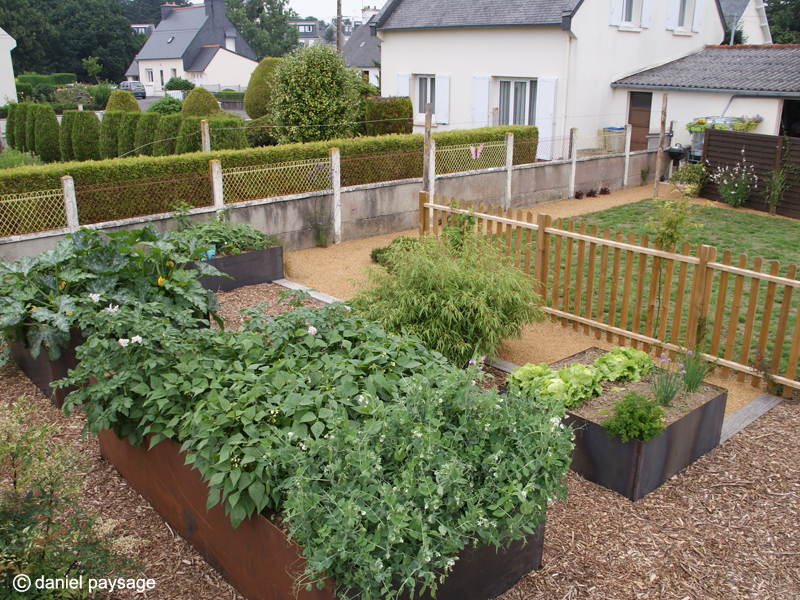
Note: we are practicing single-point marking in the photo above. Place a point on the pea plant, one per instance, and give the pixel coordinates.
(384, 459)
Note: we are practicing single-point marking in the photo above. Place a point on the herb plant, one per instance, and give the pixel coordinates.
(667, 380)
(635, 417)
(695, 370)
(459, 303)
(385, 460)
(43, 297)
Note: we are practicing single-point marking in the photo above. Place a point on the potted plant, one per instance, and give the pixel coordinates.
(632, 434)
(46, 301)
(388, 466)
(243, 255)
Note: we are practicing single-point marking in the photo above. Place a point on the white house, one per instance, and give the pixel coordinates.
(545, 62)
(8, 89)
(308, 32)
(196, 42)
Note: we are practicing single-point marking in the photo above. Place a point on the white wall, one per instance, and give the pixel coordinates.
(750, 22)
(229, 68)
(8, 89)
(165, 65)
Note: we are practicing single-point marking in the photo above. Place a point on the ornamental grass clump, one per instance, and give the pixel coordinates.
(458, 303)
(385, 460)
(695, 370)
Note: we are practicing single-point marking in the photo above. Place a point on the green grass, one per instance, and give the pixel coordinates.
(739, 232)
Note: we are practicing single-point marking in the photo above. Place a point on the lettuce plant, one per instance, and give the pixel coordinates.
(623, 363)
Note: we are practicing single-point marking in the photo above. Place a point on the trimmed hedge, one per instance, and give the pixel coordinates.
(168, 128)
(19, 125)
(134, 169)
(200, 103)
(227, 133)
(122, 100)
(47, 134)
(55, 79)
(65, 134)
(126, 141)
(262, 132)
(189, 139)
(380, 109)
(109, 133)
(24, 92)
(258, 94)
(10, 138)
(30, 128)
(85, 136)
(146, 133)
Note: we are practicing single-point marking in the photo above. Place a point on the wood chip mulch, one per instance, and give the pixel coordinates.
(727, 527)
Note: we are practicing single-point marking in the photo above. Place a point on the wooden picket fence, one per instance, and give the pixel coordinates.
(644, 295)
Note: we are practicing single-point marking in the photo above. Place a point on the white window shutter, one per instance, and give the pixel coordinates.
(546, 116)
(698, 15)
(442, 107)
(673, 8)
(480, 101)
(647, 10)
(615, 18)
(403, 84)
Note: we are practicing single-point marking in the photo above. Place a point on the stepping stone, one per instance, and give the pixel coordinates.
(747, 414)
(327, 299)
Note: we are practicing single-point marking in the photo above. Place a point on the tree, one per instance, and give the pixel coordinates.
(34, 34)
(330, 34)
(315, 95)
(146, 11)
(91, 66)
(264, 25)
(784, 21)
(258, 95)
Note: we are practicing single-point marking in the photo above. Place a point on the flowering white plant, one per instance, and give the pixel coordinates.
(737, 183)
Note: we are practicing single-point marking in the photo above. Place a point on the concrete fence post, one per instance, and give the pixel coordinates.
(205, 136)
(573, 155)
(432, 171)
(216, 184)
(509, 169)
(336, 184)
(70, 203)
(627, 163)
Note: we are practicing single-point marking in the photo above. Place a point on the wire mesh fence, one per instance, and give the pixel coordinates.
(553, 148)
(31, 212)
(525, 151)
(466, 157)
(281, 179)
(604, 141)
(104, 202)
(374, 168)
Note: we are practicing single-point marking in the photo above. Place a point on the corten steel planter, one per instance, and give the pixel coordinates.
(634, 468)
(247, 268)
(257, 558)
(42, 371)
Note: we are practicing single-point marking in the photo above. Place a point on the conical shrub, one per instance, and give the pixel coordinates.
(20, 120)
(47, 134)
(122, 100)
(146, 133)
(200, 103)
(65, 134)
(127, 134)
(189, 136)
(259, 90)
(166, 133)
(109, 133)
(30, 128)
(12, 111)
(85, 136)
(227, 133)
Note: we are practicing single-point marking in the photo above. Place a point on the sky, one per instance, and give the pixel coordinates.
(325, 9)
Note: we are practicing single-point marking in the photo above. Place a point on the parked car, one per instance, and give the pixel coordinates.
(135, 87)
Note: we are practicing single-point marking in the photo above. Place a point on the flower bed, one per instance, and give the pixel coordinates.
(385, 462)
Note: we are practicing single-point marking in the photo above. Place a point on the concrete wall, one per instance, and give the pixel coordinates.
(8, 89)
(375, 209)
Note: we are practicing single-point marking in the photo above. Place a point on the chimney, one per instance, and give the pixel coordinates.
(166, 9)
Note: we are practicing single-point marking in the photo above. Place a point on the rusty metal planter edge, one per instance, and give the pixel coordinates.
(257, 558)
(247, 268)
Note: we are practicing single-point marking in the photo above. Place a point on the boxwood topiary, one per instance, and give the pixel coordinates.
(146, 133)
(227, 133)
(189, 136)
(85, 136)
(30, 128)
(127, 134)
(19, 126)
(166, 133)
(258, 94)
(65, 134)
(122, 100)
(389, 115)
(200, 103)
(109, 133)
(10, 139)
(47, 134)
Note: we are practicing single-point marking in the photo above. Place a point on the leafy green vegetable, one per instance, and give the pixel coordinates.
(635, 417)
(623, 363)
(582, 383)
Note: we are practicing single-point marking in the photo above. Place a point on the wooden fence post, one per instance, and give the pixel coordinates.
(423, 213)
(70, 203)
(509, 168)
(697, 305)
(216, 184)
(660, 154)
(540, 265)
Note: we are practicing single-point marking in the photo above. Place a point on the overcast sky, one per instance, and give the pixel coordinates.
(325, 9)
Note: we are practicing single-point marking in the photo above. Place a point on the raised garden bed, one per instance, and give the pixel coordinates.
(42, 371)
(247, 268)
(635, 468)
(258, 559)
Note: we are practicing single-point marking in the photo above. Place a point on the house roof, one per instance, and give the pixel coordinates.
(182, 25)
(133, 70)
(732, 9)
(438, 14)
(362, 48)
(769, 70)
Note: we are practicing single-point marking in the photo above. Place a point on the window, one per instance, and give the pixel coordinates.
(174, 72)
(149, 75)
(306, 28)
(426, 91)
(682, 9)
(627, 11)
(516, 102)
(162, 78)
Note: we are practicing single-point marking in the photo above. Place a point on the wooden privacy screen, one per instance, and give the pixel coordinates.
(764, 152)
(630, 291)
